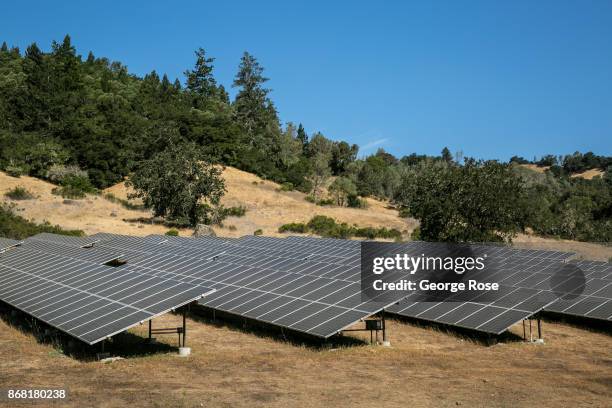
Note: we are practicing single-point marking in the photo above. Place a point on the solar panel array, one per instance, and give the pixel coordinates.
(6, 243)
(525, 286)
(592, 296)
(281, 288)
(312, 285)
(81, 297)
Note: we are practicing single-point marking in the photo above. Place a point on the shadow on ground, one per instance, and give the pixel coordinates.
(263, 330)
(124, 344)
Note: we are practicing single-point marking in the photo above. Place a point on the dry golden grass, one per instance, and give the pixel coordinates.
(535, 167)
(425, 367)
(267, 208)
(589, 174)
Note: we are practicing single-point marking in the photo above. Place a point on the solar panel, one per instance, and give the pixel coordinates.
(320, 307)
(531, 277)
(7, 243)
(312, 285)
(90, 254)
(68, 240)
(87, 301)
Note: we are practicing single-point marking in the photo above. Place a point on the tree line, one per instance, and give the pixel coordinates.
(86, 123)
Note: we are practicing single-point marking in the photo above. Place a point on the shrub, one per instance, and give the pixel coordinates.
(298, 227)
(74, 187)
(416, 234)
(239, 211)
(353, 201)
(326, 201)
(57, 173)
(286, 186)
(16, 227)
(232, 227)
(14, 171)
(124, 203)
(258, 232)
(19, 193)
(321, 223)
(328, 227)
(172, 233)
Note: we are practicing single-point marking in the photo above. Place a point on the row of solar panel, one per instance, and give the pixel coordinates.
(310, 285)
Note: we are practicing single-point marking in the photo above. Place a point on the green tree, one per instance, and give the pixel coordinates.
(320, 173)
(200, 81)
(447, 155)
(341, 189)
(252, 104)
(476, 202)
(178, 184)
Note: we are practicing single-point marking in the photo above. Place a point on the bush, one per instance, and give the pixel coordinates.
(172, 233)
(321, 223)
(258, 232)
(19, 193)
(124, 203)
(353, 201)
(239, 211)
(14, 171)
(16, 227)
(328, 227)
(323, 202)
(287, 186)
(298, 227)
(57, 173)
(416, 234)
(74, 187)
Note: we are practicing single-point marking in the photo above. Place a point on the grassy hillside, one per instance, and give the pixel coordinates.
(267, 208)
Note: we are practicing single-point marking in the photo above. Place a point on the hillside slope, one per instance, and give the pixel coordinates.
(267, 208)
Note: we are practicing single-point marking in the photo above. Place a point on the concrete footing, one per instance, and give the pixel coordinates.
(386, 343)
(184, 351)
(537, 341)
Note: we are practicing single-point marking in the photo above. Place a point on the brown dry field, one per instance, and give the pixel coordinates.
(267, 209)
(425, 367)
(589, 174)
(230, 367)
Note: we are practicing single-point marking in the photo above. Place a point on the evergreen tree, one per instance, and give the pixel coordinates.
(447, 155)
(253, 108)
(200, 81)
(302, 136)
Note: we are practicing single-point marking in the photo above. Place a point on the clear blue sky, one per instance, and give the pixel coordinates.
(489, 78)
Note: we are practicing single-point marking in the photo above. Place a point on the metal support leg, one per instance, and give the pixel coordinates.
(539, 328)
(384, 328)
(524, 331)
(149, 331)
(102, 345)
(184, 325)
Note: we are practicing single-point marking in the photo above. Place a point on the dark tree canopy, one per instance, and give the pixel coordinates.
(178, 184)
(472, 203)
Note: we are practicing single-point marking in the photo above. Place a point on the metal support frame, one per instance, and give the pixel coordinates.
(181, 331)
(538, 319)
(384, 328)
(373, 332)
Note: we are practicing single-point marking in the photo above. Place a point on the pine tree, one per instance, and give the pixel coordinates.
(447, 156)
(251, 103)
(302, 136)
(201, 81)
